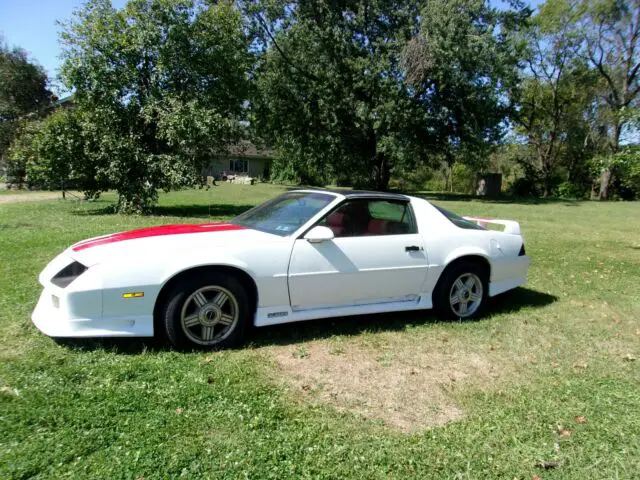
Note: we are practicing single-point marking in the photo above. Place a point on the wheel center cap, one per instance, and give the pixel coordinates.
(465, 294)
(209, 315)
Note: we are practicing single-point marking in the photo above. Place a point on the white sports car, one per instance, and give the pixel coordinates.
(303, 255)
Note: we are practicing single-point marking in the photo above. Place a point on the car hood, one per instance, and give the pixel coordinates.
(166, 241)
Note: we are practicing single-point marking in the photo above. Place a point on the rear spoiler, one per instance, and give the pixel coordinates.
(510, 226)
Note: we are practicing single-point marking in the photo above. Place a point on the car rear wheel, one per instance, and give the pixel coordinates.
(207, 312)
(462, 291)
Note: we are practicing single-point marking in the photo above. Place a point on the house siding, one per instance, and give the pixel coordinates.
(255, 166)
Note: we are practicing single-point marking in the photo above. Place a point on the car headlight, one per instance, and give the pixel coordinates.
(68, 274)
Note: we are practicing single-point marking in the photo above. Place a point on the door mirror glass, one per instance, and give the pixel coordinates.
(319, 234)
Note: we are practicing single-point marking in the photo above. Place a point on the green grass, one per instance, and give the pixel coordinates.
(564, 346)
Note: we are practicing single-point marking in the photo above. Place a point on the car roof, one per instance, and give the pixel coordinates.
(360, 193)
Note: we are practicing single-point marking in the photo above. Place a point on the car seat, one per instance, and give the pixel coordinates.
(335, 221)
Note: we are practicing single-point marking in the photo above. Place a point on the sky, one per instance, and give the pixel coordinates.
(31, 25)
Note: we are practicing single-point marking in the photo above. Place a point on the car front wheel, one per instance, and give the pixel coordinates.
(207, 312)
(462, 292)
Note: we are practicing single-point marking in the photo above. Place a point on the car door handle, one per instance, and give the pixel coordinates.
(412, 248)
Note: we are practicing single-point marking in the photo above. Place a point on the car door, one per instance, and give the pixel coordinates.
(376, 256)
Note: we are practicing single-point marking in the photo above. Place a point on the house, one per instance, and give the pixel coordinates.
(64, 102)
(243, 160)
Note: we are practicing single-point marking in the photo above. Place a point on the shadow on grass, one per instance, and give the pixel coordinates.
(123, 346)
(291, 333)
(201, 211)
(458, 197)
(190, 211)
(515, 300)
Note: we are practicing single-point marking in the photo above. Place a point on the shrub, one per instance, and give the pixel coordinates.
(571, 190)
(625, 168)
(22, 151)
(409, 179)
(462, 178)
(524, 187)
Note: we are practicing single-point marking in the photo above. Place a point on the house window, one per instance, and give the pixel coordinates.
(239, 166)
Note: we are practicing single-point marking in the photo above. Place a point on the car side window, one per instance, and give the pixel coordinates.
(368, 217)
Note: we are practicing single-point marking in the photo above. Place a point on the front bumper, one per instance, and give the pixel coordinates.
(77, 309)
(55, 321)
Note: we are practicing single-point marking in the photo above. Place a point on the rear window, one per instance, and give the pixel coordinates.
(458, 221)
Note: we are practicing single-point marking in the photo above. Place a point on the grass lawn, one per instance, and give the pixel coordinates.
(549, 375)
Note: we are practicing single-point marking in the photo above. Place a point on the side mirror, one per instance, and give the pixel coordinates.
(319, 234)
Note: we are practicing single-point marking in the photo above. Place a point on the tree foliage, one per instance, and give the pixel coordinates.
(356, 92)
(21, 152)
(463, 65)
(579, 91)
(611, 29)
(625, 168)
(329, 93)
(347, 90)
(52, 154)
(23, 91)
(557, 90)
(161, 86)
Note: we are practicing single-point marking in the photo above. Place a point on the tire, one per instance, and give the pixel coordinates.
(206, 312)
(474, 293)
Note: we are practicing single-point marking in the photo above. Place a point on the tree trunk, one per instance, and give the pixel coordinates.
(450, 180)
(547, 181)
(449, 158)
(545, 192)
(547, 172)
(382, 172)
(605, 176)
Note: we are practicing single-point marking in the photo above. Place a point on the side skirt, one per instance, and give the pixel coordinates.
(276, 315)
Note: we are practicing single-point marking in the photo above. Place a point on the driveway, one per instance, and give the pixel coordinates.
(28, 197)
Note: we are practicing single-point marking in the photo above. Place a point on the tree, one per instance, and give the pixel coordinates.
(556, 92)
(625, 168)
(330, 96)
(160, 86)
(463, 67)
(58, 155)
(612, 33)
(24, 91)
(342, 92)
(20, 152)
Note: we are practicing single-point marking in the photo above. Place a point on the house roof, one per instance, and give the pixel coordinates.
(68, 100)
(245, 148)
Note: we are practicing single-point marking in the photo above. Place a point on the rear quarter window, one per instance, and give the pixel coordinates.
(398, 215)
(458, 221)
(387, 211)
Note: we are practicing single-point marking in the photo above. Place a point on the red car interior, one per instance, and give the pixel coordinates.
(338, 223)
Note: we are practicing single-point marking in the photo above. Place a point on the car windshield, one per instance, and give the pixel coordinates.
(284, 214)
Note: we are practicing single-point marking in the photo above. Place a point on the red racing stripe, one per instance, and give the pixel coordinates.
(156, 232)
